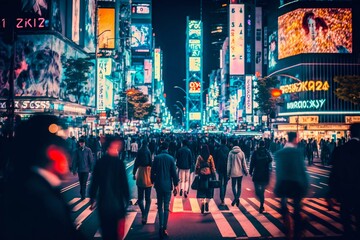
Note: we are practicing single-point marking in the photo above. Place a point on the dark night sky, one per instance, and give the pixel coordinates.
(169, 26)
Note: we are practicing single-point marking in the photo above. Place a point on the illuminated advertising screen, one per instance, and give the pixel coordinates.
(137, 74)
(194, 45)
(57, 15)
(195, 64)
(108, 94)
(101, 80)
(89, 36)
(75, 21)
(236, 39)
(141, 36)
(106, 28)
(248, 95)
(44, 70)
(194, 116)
(141, 10)
(157, 63)
(315, 30)
(273, 50)
(147, 70)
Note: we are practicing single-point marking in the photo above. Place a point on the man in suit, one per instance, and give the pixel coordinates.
(344, 181)
(33, 205)
(163, 175)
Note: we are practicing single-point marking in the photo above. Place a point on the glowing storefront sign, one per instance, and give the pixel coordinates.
(147, 70)
(248, 95)
(194, 87)
(305, 86)
(194, 116)
(105, 64)
(101, 86)
(237, 41)
(306, 104)
(352, 119)
(157, 61)
(28, 105)
(304, 119)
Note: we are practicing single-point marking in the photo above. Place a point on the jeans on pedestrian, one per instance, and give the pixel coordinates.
(236, 186)
(163, 202)
(147, 191)
(184, 176)
(223, 183)
(259, 191)
(83, 177)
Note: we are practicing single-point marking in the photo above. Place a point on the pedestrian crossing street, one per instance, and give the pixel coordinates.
(319, 221)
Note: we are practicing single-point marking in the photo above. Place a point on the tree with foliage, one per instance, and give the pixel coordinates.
(76, 73)
(348, 88)
(267, 103)
(138, 107)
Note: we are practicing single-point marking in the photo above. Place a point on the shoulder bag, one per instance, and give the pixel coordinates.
(195, 183)
(143, 178)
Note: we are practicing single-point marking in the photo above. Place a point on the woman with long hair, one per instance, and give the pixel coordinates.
(205, 169)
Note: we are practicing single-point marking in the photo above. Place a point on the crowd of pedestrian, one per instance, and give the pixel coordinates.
(165, 162)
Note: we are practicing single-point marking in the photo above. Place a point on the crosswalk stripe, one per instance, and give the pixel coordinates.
(129, 219)
(248, 227)
(152, 212)
(315, 224)
(80, 204)
(74, 200)
(323, 202)
(195, 205)
(221, 222)
(319, 174)
(317, 206)
(78, 221)
(322, 171)
(269, 210)
(270, 227)
(178, 205)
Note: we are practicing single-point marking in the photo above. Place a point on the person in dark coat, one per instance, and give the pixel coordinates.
(143, 162)
(344, 182)
(164, 177)
(82, 164)
(183, 163)
(260, 172)
(109, 190)
(220, 159)
(33, 206)
(292, 182)
(205, 169)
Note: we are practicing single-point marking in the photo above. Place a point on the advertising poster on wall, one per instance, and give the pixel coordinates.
(89, 36)
(141, 34)
(147, 71)
(75, 33)
(41, 70)
(273, 50)
(315, 30)
(236, 39)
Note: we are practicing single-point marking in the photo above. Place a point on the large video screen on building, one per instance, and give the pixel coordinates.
(315, 30)
(141, 35)
(106, 27)
(89, 36)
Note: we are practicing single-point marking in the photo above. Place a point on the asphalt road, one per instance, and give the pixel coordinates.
(243, 222)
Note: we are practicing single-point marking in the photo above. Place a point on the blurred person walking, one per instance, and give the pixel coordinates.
(82, 164)
(141, 173)
(220, 158)
(205, 169)
(344, 182)
(236, 169)
(109, 190)
(33, 206)
(291, 182)
(163, 175)
(183, 163)
(260, 171)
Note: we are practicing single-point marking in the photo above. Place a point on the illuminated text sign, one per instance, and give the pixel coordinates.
(194, 87)
(306, 104)
(26, 104)
(194, 116)
(248, 95)
(305, 86)
(236, 39)
(157, 63)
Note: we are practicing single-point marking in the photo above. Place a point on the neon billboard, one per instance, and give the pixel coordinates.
(236, 39)
(106, 28)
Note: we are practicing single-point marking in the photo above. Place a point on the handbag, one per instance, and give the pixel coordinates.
(213, 183)
(195, 183)
(143, 177)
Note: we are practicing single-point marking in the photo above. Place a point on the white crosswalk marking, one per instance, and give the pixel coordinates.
(80, 204)
(273, 230)
(245, 223)
(313, 208)
(221, 222)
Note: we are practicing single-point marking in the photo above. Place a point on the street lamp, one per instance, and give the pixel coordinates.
(187, 106)
(180, 104)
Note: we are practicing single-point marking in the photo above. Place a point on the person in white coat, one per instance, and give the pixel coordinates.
(236, 169)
